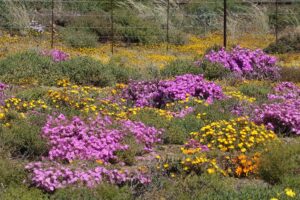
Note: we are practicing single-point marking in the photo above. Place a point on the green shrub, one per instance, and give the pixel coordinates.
(21, 192)
(180, 67)
(102, 192)
(280, 161)
(291, 74)
(32, 93)
(176, 130)
(79, 38)
(285, 44)
(28, 67)
(11, 172)
(219, 110)
(258, 91)
(123, 74)
(85, 70)
(133, 29)
(213, 71)
(23, 139)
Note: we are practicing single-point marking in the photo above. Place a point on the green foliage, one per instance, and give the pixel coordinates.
(180, 67)
(28, 67)
(23, 138)
(285, 44)
(79, 38)
(21, 192)
(11, 172)
(280, 161)
(291, 74)
(32, 93)
(213, 71)
(122, 73)
(85, 70)
(102, 192)
(258, 91)
(133, 29)
(219, 110)
(176, 130)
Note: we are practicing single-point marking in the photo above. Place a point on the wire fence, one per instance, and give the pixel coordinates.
(103, 17)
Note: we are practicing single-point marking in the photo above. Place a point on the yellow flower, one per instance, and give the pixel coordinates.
(289, 192)
(211, 170)
(166, 166)
(273, 198)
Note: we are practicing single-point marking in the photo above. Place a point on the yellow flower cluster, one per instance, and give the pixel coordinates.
(201, 163)
(23, 106)
(233, 93)
(235, 135)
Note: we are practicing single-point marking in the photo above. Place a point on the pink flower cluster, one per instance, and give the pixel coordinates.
(54, 176)
(285, 91)
(246, 62)
(98, 139)
(57, 55)
(3, 87)
(157, 94)
(2, 95)
(95, 140)
(190, 85)
(283, 118)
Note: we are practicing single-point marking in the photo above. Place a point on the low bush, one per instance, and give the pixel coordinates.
(259, 91)
(11, 172)
(85, 70)
(280, 161)
(21, 192)
(286, 44)
(102, 192)
(79, 38)
(23, 138)
(28, 67)
(180, 67)
(146, 31)
(213, 71)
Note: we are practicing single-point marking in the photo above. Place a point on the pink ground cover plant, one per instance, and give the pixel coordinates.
(98, 139)
(52, 176)
(157, 94)
(253, 64)
(283, 115)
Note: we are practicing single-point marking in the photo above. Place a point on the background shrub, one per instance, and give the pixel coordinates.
(285, 44)
(291, 74)
(180, 67)
(79, 38)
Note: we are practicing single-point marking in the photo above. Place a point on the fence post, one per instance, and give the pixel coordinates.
(112, 25)
(276, 20)
(168, 23)
(225, 25)
(52, 24)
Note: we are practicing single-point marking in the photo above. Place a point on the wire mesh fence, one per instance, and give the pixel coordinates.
(131, 22)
